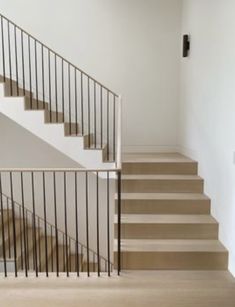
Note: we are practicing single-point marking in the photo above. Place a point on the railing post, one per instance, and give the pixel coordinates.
(119, 221)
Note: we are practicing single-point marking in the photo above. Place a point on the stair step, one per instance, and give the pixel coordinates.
(162, 184)
(164, 203)
(167, 226)
(172, 254)
(158, 164)
(71, 129)
(34, 104)
(8, 84)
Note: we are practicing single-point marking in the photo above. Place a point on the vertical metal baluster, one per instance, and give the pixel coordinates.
(45, 219)
(56, 227)
(93, 262)
(63, 253)
(9, 55)
(65, 224)
(13, 223)
(34, 227)
(114, 128)
(24, 228)
(95, 137)
(21, 242)
(97, 222)
(3, 229)
(49, 79)
(119, 220)
(16, 63)
(36, 70)
(27, 239)
(56, 93)
(39, 246)
(101, 117)
(30, 74)
(76, 100)
(82, 115)
(52, 253)
(108, 125)
(87, 224)
(82, 258)
(8, 229)
(22, 59)
(69, 100)
(88, 112)
(62, 75)
(108, 226)
(76, 224)
(3, 51)
(43, 78)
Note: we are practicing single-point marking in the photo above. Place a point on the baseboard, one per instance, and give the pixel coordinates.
(150, 148)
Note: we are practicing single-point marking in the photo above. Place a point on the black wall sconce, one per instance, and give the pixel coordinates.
(186, 45)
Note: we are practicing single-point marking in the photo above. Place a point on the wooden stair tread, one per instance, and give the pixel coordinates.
(163, 196)
(161, 177)
(146, 245)
(156, 157)
(166, 219)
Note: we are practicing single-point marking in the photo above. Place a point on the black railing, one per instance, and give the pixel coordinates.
(58, 221)
(52, 83)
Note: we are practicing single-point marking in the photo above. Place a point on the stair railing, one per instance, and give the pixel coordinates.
(52, 83)
(79, 199)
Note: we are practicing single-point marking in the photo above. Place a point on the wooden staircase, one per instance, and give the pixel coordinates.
(166, 221)
(26, 256)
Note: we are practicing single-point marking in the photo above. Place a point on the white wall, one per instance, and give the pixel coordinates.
(208, 105)
(132, 46)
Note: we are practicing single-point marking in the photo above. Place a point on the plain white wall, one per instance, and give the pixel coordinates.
(208, 106)
(132, 46)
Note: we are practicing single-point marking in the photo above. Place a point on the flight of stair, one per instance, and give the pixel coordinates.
(42, 242)
(166, 221)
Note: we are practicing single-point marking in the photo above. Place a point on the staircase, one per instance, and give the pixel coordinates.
(36, 247)
(166, 222)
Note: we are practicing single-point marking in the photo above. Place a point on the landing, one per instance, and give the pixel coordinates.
(160, 289)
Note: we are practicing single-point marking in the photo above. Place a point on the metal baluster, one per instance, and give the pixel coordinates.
(22, 59)
(76, 224)
(97, 222)
(13, 223)
(76, 100)
(39, 246)
(70, 130)
(8, 229)
(21, 241)
(63, 253)
(101, 117)
(88, 112)
(3, 51)
(30, 74)
(34, 227)
(87, 225)
(114, 128)
(27, 238)
(95, 137)
(65, 224)
(56, 228)
(119, 220)
(108, 226)
(52, 253)
(49, 79)
(45, 219)
(43, 79)
(56, 93)
(16, 63)
(36, 70)
(9, 55)
(3, 229)
(82, 116)
(24, 228)
(108, 125)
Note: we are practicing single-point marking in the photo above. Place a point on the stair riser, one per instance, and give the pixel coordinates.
(168, 231)
(71, 129)
(53, 118)
(11, 88)
(162, 186)
(173, 260)
(177, 168)
(165, 206)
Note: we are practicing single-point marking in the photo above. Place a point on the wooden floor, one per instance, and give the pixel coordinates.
(155, 288)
